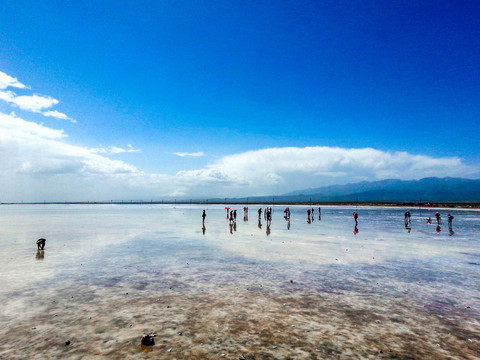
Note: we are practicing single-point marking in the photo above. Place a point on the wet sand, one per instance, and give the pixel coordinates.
(315, 291)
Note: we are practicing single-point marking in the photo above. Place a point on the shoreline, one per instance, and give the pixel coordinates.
(461, 205)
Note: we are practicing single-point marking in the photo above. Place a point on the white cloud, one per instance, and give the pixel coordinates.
(13, 127)
(33, 103)
(115, 150)
(58, 115)
(39, 156)
(184, 154)
(37, 163)
(8, 81)
(118, 150)
(278, 170)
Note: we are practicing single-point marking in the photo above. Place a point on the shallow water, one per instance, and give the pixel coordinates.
(299, 290)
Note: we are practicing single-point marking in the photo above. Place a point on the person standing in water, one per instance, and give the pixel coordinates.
(439, 218)
(450, 225)
(355, 217)
(407, 219)
(41, 244)
(450, 219)
(269, 216)
(204, 215)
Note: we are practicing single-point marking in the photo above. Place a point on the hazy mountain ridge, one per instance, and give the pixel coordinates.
(428, 189)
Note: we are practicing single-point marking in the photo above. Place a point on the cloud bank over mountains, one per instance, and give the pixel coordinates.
(38, 163)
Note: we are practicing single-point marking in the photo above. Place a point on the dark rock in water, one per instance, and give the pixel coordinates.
(148, 340)
(68, 342)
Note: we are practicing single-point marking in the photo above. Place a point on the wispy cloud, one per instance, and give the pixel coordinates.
(118, 150)
(8, 81)
(58, 115)
(115, 150)
(33, 103)
(185, 154)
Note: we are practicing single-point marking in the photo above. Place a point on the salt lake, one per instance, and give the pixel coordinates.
(297, 289)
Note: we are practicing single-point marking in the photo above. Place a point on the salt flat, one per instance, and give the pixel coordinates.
(298, 289)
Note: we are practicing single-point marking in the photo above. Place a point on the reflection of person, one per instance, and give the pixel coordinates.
(259, 223)
(40, 255)
(319, 213)
(204, 229)
(41, 244)
(355, 230)
(268, 229)
(450, 230)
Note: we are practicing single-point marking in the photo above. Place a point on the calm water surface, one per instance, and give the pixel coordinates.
(300, 290)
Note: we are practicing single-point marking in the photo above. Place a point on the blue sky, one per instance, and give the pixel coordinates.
(258, 97)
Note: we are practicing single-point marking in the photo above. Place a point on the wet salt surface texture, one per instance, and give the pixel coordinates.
(110, 274)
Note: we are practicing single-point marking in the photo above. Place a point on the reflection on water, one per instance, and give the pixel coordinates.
(312, 290)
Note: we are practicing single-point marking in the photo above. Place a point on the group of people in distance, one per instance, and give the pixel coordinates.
(438, 217)
(267, 212)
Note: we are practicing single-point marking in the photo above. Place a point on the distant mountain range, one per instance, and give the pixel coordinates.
(425, 190)
(428, 189)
